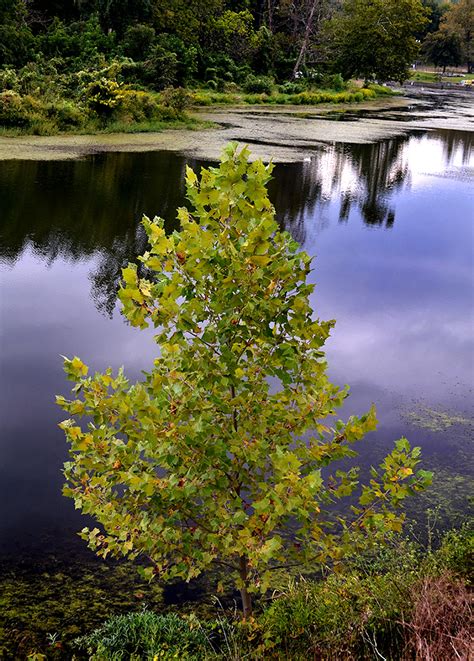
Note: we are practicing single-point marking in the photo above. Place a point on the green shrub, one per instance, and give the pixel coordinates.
(292, 88)
(136, 106)
(138, 41)
(255, 99)
(334, 82)
(200, 99)
(176, 98)
(456, 554)
(12, 112)
(66, 115)
(24, 112)
(211, 74)
(258, 84)
(103, 96)
(8, 79)
(336, 617)
(368, 93)
(380, 90)
(144, 635)
(231, 88)
(160, 68)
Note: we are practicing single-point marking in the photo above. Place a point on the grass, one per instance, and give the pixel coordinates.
(434, 77)
(116, 126)
(204, 97)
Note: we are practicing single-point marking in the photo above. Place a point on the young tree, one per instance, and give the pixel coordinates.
(217, 456)
(375, 38)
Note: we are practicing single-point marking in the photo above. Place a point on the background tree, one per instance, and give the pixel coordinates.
(375, 38)
(233, 35)
(459, 20)
(16, 39)
(443, 49)
(190, 20)
(218, 455)
(436, 10)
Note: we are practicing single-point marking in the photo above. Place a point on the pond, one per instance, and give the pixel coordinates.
(391, 227)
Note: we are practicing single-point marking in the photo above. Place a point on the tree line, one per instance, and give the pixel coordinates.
(174, 43)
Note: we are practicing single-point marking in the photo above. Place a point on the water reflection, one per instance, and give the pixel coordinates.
(360, 176)
(76, 210)
(454, 143)
(81, 209)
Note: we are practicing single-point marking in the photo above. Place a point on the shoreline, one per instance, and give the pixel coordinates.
(283, 133)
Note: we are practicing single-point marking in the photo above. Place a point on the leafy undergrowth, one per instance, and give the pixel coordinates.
(399, 603)
(27, 115)
(99, 105)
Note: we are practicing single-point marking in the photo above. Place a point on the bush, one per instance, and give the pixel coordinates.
(456, 554)
(31, 114)
(66, 115)
(161, 68)
(255, 99)
(292, 88)
(145, 635)
(368, 93)
(380, 90)
(137, 41)
(136, 106)
(258, 84)
(210, 73)
(335, 617)
(201, 99)
(103, 96)
(334, 82)
(12, 111)
(176, 98)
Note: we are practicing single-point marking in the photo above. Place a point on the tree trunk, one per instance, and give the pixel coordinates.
(270, 15)
(307, 34)
(244, 593)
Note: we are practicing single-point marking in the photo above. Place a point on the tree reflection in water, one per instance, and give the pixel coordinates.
(352, 176)
(91, 209)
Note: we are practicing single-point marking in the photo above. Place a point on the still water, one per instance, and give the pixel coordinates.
(390, 225)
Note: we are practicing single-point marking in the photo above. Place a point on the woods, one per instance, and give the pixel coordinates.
(176, 43)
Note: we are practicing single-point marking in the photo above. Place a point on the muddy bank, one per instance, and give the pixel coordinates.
(286, 134)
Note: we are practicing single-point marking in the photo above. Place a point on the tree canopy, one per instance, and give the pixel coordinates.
(376, 38)
(459, 21)
(231, 39)
(223, 454)
(443, 49)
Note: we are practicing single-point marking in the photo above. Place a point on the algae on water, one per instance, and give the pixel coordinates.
(437, 420)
